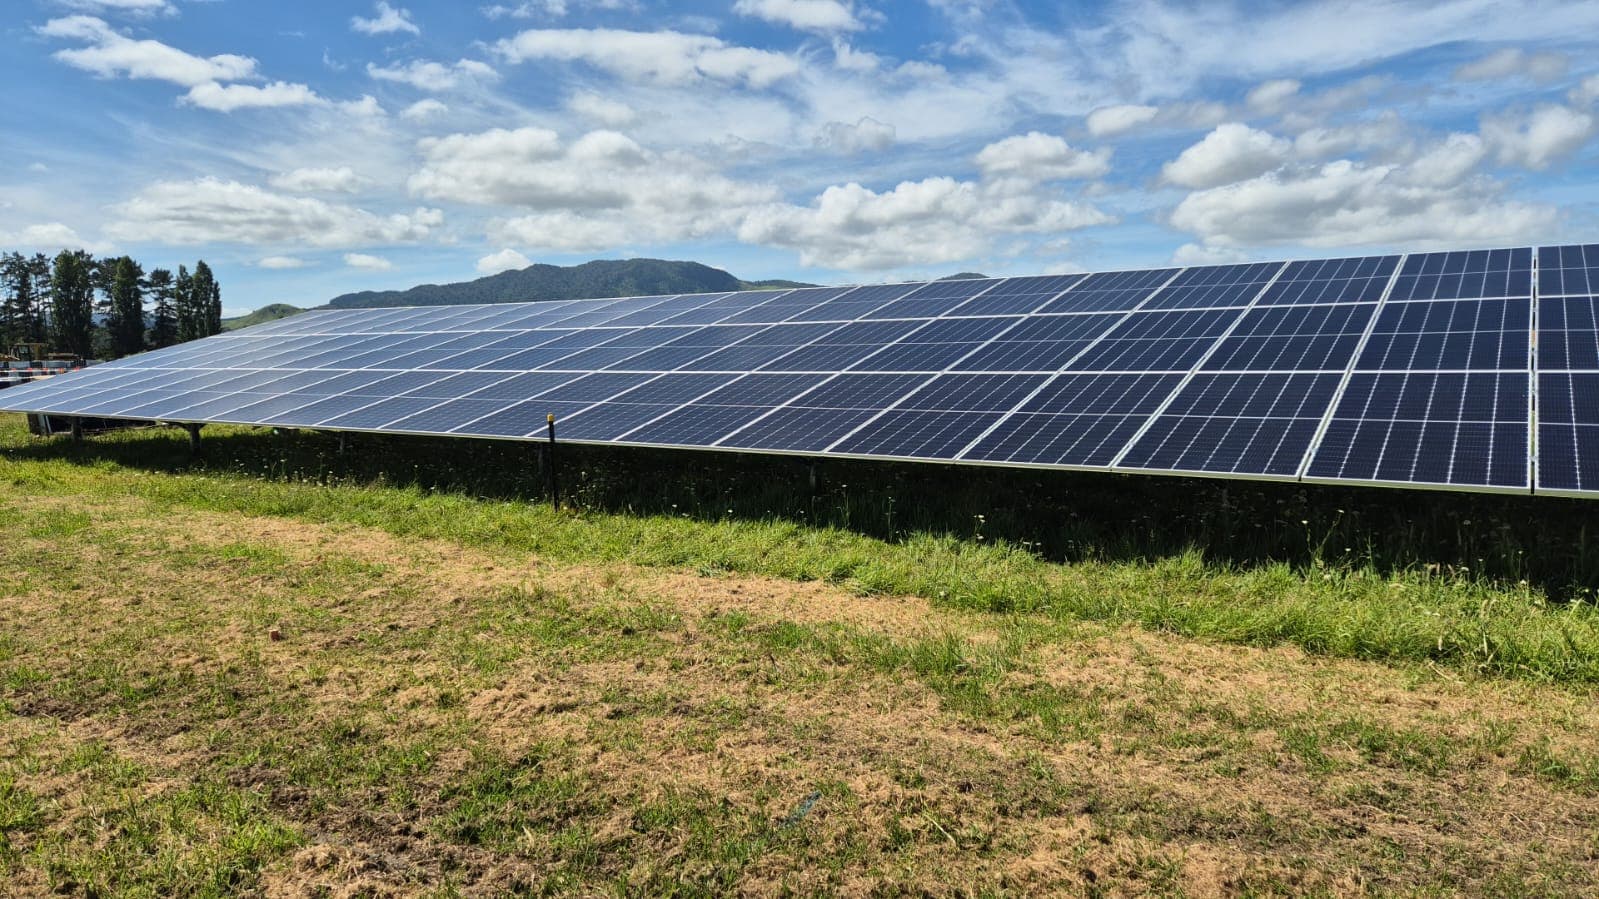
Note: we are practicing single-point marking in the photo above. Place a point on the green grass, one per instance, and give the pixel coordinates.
(507, 700)
(1417, 614)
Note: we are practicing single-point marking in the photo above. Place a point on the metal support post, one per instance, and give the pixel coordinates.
(555, 490)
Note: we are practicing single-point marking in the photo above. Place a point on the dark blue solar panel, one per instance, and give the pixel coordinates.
(1076, 420)
(1259, 424)
(1040, 343)
(608, 421)
(1465, 274)
(1157, 341)
(1358, 280)
(763, 390)
(1087, 441)
(798, 429)
(446, 386)
(1449, 334)
(1214, 286)
(957, 369)
(853, 304)
(1018, 296)
(912, 433)
(695, 425)
(595, 387)
(844, 346)
(1450, 428)
(1568, 430)
(938, 345)
(525, 419)
(446, 416)
(1293, 338)
(1568, 332)
(784, 307)
(1110, 291)
(521, 387)
(1568, 271)
(974, 393)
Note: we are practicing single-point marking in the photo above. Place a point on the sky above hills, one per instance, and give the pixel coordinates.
(306, 149)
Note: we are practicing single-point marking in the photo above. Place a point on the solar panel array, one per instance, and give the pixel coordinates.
(1414, 370)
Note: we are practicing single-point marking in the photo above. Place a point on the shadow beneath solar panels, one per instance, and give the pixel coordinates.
(1062, 516)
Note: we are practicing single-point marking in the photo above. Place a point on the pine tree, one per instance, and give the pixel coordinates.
(205, 287)
(17, 304)
(188, 322)
(41, 270)
(214, 308)
(164, 327)
(72, 303)
(125, 322)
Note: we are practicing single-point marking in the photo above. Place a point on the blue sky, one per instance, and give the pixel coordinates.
(307, 149)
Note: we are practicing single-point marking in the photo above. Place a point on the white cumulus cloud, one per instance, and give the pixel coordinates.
(604, 110)
(423, 110)
(211, 210)
(282, 262)
(427, 75)
(662, 57)
(1271, 96)
(110, 54)
(1107, 121)
(313, 180)
(1348, 203)
(1232, 152)
(504, 260)
(935, 220)
(826, 16)
(866, 134)
(1587, 91)
(229, 97)
(1539, 138)
(601, 190)
(49, 237)
(367, 261)
(1036, 156)
(389, 20)
(126, 7)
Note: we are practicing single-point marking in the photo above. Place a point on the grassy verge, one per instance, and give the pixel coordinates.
(208, 701)
(1449, 617)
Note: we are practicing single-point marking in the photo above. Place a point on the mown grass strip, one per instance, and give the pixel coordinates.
(1355, 612)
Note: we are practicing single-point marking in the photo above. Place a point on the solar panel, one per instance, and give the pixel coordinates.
(1440, 393)
(1567, 394)
(1412, 370)
(1253, 405)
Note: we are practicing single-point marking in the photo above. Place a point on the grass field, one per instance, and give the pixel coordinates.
(282, 671)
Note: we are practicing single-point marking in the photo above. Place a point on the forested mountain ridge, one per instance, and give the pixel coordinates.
(599, 278)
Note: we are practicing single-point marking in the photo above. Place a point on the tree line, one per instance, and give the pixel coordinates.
(106, 307)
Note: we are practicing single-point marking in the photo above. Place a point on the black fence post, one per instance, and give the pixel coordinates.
(555, 491)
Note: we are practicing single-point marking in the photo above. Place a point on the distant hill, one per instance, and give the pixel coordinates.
(964, 276)
(600, 278)
(261, 316)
